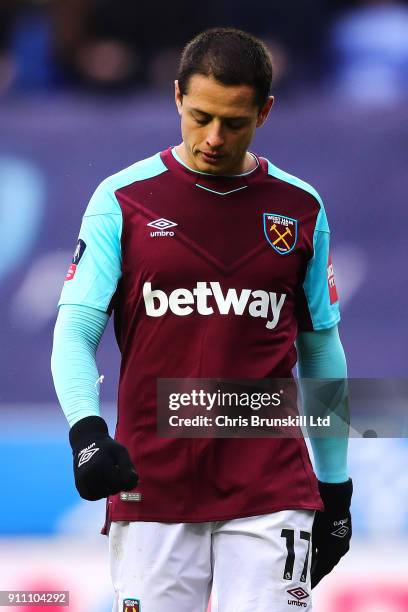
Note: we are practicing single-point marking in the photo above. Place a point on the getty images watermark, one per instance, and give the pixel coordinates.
(220, 400)
(196, 408)
(283, 408)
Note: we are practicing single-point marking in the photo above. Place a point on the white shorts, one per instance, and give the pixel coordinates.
(254, 564)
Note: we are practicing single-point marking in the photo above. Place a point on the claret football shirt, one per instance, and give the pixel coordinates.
(207, 276)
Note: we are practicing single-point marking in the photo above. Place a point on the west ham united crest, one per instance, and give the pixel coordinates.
(132, 605)
(281, 232)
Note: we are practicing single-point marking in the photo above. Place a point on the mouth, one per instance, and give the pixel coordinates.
(211, 158)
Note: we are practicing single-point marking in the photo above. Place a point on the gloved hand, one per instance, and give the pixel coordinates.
(332, 529)
(102, 466)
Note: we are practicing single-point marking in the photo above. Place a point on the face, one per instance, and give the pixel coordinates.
(217, 124)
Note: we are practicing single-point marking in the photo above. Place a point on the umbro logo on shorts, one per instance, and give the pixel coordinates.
(298, 593)
(161, 226)
(87, 453)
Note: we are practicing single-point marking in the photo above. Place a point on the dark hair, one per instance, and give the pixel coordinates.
(232, 57)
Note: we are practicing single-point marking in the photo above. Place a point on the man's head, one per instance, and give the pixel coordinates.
(222, 95)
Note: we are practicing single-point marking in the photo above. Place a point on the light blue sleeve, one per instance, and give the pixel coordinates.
(97, 262)
(77, 333)
(320, 356)
(321, 299)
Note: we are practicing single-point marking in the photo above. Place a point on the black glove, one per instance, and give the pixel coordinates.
(102, 466)
(331, 532)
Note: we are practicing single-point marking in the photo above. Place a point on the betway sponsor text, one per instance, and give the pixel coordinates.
(182, 302)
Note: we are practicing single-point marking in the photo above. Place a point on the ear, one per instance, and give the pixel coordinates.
(264, 112)
(178, 96)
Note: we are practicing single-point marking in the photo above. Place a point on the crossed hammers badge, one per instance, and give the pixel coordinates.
(280, 232)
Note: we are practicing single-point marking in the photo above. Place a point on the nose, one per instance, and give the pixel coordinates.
(214, 136)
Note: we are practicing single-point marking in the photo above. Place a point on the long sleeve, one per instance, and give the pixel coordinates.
(77, 334)
(321, 355)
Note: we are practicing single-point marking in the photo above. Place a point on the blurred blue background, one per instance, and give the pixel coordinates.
(86, 90)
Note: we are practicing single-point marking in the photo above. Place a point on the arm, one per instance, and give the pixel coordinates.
(77, 334)
(321, 355)
(90, 283)
(102, 466)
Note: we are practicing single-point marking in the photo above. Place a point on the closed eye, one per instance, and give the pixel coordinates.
(200, 121)
(231, 123)
(235, 125)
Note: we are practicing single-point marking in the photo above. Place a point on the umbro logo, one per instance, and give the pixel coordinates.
(161, 226)
(341, 532)
(87, 453)
(298, 593)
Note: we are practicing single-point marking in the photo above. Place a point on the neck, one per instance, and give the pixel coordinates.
(249, 162)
